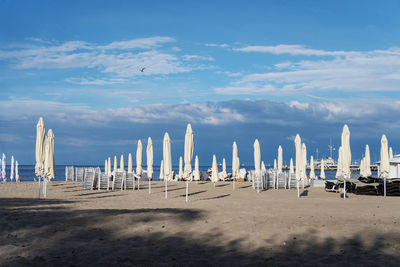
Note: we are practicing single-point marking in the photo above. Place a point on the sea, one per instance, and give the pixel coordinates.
(27, 172)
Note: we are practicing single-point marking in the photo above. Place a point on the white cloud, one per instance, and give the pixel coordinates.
(115, 58)
(230, 74)
(218, 45)
(196, 57)
(375, 70)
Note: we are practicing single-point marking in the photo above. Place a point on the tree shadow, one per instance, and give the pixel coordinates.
(141, 237)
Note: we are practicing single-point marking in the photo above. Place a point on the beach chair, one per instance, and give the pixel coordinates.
(89, 177)
(118, 181)
(280, 180)
(97, 173)
(79, 174)
(129, 181)
(69, 173)
(103, 181)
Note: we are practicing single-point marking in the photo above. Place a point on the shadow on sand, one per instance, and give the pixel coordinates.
(36, 234)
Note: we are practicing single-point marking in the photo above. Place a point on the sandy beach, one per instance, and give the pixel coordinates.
(76, 227)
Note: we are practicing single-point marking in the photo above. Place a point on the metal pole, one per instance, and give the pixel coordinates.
(39, 187)
(384, 186)
(149, 186)
(298, 189)
(166, 188)
(187, 190)
(344, 190)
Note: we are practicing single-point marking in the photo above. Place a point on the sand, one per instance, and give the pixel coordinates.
(217, 227)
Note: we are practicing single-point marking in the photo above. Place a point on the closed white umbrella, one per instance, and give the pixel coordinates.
(12, 168)
(275, 167)
(49, 164)
(384, 166)
(121, 164)
(180, 173)
(235, 166)
(149, 157)
(196, 173)
(291, 167)
(362, 168)
(280, 159)
(189, 145)
(312, 172)
(115, 164)
(109, 167)
(17, 178)
(105, 166)
(167, 162)
(304, 161)
(139, 151)
(263, 170)
(168, 175)
(339, 164)
(390, 153)
(384, 163)
(3, 169)
(214, 170)
(130, 164)
(367, 162)
(223, 174)
(346, 156)
(39, 151)
(257, 162)
(322, 174)
(299, 160)
(162, 170)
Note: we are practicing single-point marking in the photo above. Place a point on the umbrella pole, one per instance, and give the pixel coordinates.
(384, 187)
(344, 190)
(233, 183)
(138, 184)
(39, 187)
(44, 188)
(187, 190)
(166, 188)
(149, 186)
(298, 189)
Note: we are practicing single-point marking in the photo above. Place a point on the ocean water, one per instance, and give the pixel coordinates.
(27, 172)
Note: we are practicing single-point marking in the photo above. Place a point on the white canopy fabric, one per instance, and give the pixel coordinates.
(280, 159)
(162, 170)
(168, 174)
(180, 174)
(12, 168)
(130, 165)
(223, 174)
(263, 169)
(368, 172)
(322, 174)
(235, 161)
(105, 166)
(39, 152)
(189, 145)
(149, 158)
(109, 168)
(139, 152)
(115, 164)
(304, 161)
(257, 159)
(312, 172)
(196, 173)
(339, 174)
(275, 167)
(17, 178)
(384, 164)
(3, 167)
(49, 166)
(291, 168)
(362, 167)
(214, 170)
(390, 153)
(346, 152)
(121, 164)
(299, 157)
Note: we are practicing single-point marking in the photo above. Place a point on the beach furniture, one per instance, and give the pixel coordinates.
(292, 182)
(89, 177)
(103, 181)
(69, 173)
(118, 181)
(280, 180)
(79, 174)
(129, 181)
(97, 173)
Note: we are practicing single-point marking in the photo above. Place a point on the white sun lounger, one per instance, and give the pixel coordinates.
(89, 177)
(79, 174)
(69, 173)
(118, 180)
(129, 181)
(103, 182)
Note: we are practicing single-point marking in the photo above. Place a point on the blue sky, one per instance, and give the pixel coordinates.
(236, 71)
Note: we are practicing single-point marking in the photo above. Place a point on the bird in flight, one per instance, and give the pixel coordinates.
(142, 69)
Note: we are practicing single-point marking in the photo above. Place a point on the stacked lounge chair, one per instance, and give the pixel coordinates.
(79, 174)
(103, 181)
(89, 179)
(118, 181)
(129, 181)
(69, 173)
